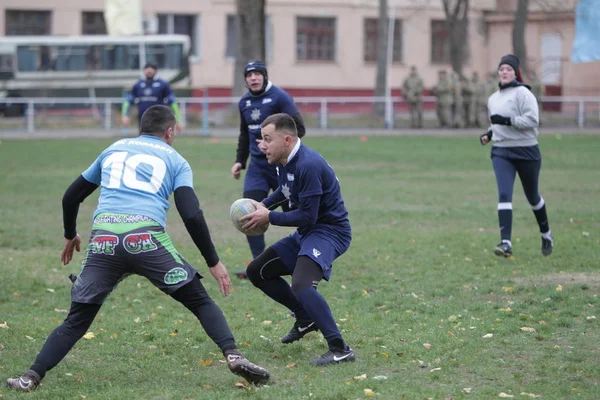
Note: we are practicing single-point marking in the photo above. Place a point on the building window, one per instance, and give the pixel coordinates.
(22, 22)
(315, 38)
(371, 30)
(182, 24)
(231, 34)
(440, 43)
(92, 23)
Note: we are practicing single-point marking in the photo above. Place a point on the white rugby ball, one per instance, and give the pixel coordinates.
(242, 207)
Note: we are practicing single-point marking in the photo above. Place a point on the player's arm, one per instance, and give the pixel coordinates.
(274, 198)
(172, 101)
(305, 215)
(75, 194)
(129, 100)
(289, 107)
(189, 208)
(243, 149)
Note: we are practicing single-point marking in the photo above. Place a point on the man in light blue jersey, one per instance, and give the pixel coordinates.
(137, 176)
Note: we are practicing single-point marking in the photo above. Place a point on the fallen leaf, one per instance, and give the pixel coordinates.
(467, 390)
(61, 310)
(527, 329)
(507, 309)
(559, 288)
(369, 393)
(205, 363)
(365, 292)
(50, 290)
(360, 377)
(343, 287)
(507, 289)
(586, 234)
(241, 385)
(533, 396)
(207, 386)
(505, 396)
(4, 325)
(29, 337)
(174, 333)
(380, 377)
(381, 307)
(16, 294)
(468, 259)
(591, 317)
(435, 369)
(267, 322)
(1, 346)
(79, 378)
(291, 365)
(488, 335)
(89, 335)
(427, 346)
(137, 320)
(452, 318)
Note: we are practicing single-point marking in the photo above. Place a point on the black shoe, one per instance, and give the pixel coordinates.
(335, 357)
(547, 245)
(503, 250)
(298, 331)
(239, 365)
(242, 274)
(26, 383)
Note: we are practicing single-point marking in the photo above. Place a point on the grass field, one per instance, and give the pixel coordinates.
(430, 311)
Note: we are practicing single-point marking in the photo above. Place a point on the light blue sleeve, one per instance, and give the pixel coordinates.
(184, 176)
(94, 172)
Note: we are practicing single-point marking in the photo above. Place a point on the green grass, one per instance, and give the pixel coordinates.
(420, 271)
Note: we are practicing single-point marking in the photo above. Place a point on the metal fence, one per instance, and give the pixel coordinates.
(205, 114)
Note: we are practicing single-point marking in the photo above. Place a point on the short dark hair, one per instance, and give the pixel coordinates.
(156, 120)
(282, 122)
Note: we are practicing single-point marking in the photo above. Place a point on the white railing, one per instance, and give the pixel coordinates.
(207, 112)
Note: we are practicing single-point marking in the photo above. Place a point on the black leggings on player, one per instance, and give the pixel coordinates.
(193, 296)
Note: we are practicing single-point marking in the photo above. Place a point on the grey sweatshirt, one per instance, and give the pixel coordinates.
(521, 106)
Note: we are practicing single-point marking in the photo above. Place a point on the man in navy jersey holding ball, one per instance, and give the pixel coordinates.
(137, 177)
(310, 185)
(262, 100)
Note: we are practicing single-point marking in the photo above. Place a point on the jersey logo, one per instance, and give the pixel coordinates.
(316, 253)
(156, 84)
(267, 100)
(147, 92)
(143, 85)
(104, 244)
(248, 103)
(286, 191)
(290, 177)
(175, 276)
(255, 115)
(139, 243)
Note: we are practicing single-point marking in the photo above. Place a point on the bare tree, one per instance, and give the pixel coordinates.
(457, 20)
(250, 39)
(518, 32)
(382, 62)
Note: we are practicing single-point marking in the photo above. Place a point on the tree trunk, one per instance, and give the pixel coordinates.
(382, 62)
(250, 21)
(457, 23)
(518, 33)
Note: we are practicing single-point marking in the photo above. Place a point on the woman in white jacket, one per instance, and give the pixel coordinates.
(514, 115)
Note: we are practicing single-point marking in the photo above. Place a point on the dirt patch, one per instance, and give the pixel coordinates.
(575, 278)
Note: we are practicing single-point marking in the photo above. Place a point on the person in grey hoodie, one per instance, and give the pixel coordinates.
(514, 117)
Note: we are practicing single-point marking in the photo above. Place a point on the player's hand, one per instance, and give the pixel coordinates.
(257, 218)
(236, 170)
(261, 145)
(219, 272)
(485, 138)
(179, 127)
(67, 252)
(125, 120)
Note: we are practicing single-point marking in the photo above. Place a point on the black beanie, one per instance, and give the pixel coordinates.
(511, 60)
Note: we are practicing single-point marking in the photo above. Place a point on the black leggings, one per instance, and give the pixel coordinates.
(81, 315)
(529, 173)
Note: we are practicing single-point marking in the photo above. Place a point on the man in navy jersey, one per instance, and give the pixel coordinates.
(310, 185)
(137, 176)
(147, 93)
(262, 100)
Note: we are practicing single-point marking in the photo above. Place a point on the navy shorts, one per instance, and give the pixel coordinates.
(260, 176)
(323, 245)
(111, 257)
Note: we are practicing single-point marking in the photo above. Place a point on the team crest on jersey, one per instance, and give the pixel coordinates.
(147, 92)
(139, 243)
(267, 100)
(143, 85)
(248, 103)
(255, 115)
(156, 84)
(175, 276)
(290, 177)
(316, 253)
(104, 244)
(286, 191)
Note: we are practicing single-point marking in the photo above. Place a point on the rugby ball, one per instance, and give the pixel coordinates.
(242, 207)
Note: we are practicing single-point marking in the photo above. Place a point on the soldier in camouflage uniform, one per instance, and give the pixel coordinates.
(467, 95)
(443, 91)
(412, 91)
(478, 100)
(458, 101)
